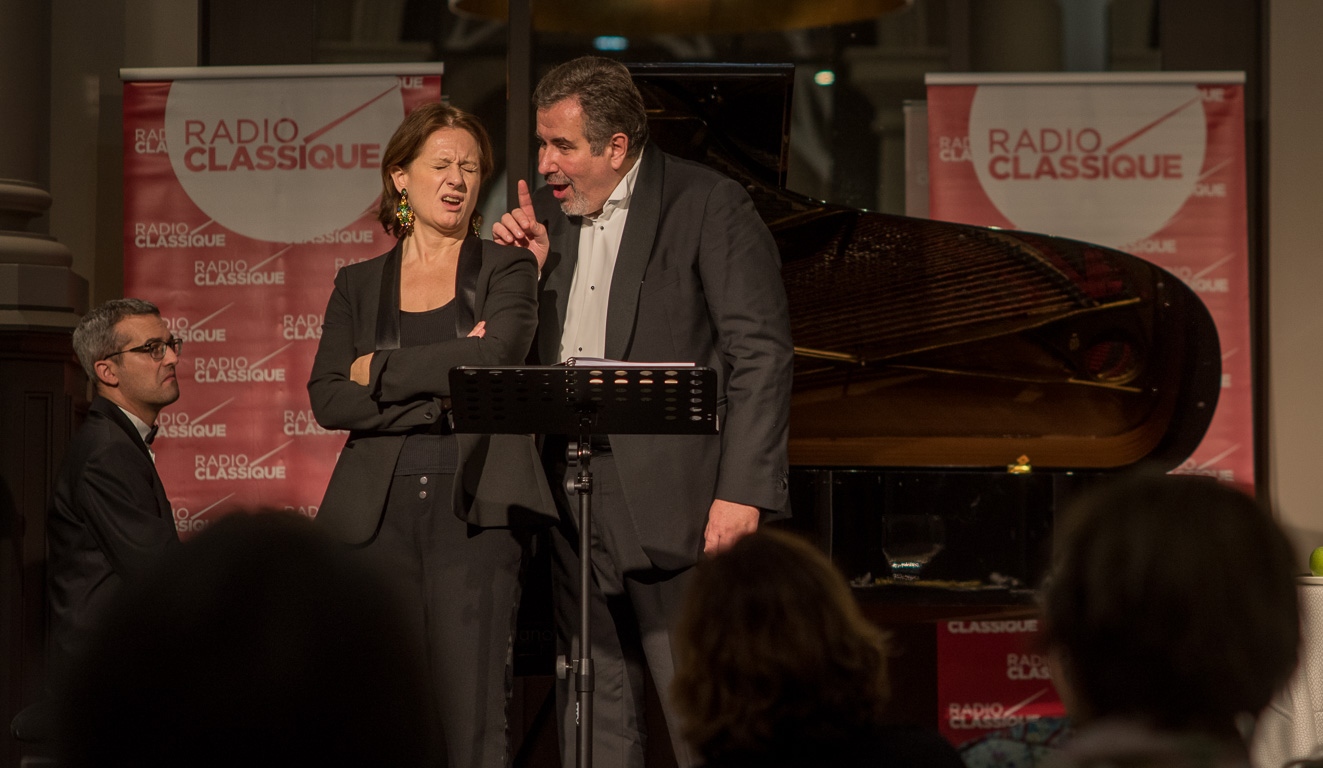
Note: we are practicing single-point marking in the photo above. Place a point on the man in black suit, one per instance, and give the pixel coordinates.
(109, 519)
(647, 257)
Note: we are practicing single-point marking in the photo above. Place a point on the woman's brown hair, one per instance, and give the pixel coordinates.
(772, 648)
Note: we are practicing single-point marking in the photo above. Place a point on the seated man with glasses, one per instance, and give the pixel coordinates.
(109, 518)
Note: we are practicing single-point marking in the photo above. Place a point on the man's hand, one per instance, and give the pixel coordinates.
(361, 371)
(726, 523)
(520, 227)
(478, 331)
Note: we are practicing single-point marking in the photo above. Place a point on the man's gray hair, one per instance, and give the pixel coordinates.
(95, 337)
(610, 101)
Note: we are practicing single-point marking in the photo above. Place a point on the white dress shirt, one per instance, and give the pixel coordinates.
(143, 428)
(599, 243)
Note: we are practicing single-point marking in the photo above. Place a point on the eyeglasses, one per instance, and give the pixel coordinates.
(156, 348)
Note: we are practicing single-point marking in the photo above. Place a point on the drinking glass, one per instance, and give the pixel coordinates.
(911, 540)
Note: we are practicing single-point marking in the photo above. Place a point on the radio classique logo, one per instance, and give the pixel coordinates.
(238, 466)
(202, 330)
(278, 160)
(174, 234)
(991, 714)
(228, 369)
(182, 424)
(304, 423)
(302, 327)
(1108, 164)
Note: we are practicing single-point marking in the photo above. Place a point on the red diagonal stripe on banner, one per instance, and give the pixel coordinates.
(202, 512)
(269, 454)
(254, 365)
(1219, 456)
(198, 419)
(255, 267)
(1148, 127)
(204, 320)
(313, 136)
(1016, 708)
(1214, 169)
(1212, 266)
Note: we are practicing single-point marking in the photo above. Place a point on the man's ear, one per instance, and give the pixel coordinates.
(106, 373)
(618, 147)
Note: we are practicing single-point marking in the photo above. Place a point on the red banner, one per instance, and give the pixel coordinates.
(991, 677)
(245, 190)
(1151, 164)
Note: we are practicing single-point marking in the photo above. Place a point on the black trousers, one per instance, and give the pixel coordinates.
(633, 608)
(464, 583)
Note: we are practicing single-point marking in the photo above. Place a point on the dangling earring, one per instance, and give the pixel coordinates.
(475, 223)
(404, 213)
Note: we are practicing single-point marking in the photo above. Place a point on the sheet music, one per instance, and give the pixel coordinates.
(601, 362)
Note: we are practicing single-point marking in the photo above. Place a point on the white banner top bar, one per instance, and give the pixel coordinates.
(137, 74)
(1082, 78)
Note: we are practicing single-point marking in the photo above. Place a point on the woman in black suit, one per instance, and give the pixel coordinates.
(441, 512)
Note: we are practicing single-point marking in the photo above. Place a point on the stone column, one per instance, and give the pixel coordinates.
(41, 386)
(38, 290)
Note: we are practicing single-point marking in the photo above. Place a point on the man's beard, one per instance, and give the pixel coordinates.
(575, 205)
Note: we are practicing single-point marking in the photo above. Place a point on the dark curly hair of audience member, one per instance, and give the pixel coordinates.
(773, 654)
(1172, 602)
(258, 642)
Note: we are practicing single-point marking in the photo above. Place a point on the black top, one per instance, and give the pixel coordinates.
(435, 449)
(419, 328)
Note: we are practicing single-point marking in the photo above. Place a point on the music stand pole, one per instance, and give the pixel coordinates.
(584, 673)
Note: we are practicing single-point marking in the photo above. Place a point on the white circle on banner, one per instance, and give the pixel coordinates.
(282, 160)
(1107, 164)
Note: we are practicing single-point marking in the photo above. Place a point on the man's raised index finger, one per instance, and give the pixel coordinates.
(525, 199)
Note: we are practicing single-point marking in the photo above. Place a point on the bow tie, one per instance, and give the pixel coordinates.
(151, 434)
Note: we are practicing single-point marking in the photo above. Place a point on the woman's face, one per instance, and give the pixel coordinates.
(443, 181)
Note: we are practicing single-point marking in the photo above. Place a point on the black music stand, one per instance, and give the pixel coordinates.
(582, 399)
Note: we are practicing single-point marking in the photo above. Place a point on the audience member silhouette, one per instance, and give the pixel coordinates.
(259, 642)
(777, 666)
(1170, 614)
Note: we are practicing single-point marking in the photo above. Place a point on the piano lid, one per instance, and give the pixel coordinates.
(927, 343)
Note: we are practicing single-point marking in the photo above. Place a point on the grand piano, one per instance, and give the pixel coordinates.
(953, 385)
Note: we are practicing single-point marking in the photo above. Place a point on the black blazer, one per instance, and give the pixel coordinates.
(498, 482)
(109, 520)
(697, 279)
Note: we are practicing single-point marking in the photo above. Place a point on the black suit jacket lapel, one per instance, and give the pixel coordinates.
(563, 234)
(466, 285)
(111, 411)
(388, 306)
(635, 250)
